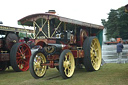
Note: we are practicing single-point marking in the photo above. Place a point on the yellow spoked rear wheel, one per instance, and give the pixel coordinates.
(36, 68)
(92, 54)
(66, 64)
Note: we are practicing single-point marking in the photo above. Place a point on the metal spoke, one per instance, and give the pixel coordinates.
(66, 58)
(96, 49)
(20, 51)
(65, 70)
(92, 45)
(24, 51)
(18, 57)
(18, 54)
(69, 71)
(22, 48)
(25, 62)
(18, 61)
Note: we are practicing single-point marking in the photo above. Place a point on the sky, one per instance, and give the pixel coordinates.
(91, 11)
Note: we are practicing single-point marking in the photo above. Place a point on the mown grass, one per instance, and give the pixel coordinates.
(109, 74)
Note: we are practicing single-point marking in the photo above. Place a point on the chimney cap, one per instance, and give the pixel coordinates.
(51, 11)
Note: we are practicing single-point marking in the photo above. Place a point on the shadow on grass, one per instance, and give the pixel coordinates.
(7, 71)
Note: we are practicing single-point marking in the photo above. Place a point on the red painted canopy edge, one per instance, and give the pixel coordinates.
(34, 17)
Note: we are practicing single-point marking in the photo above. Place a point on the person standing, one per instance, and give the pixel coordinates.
(119, 51)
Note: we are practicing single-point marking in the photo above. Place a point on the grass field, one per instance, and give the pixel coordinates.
(109, 74)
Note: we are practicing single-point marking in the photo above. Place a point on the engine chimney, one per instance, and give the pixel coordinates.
(51, 11)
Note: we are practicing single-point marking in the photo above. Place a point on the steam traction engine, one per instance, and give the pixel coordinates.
(64, 43)
(12, 52)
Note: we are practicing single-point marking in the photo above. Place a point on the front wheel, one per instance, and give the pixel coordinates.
(66, 64)
(37, 69)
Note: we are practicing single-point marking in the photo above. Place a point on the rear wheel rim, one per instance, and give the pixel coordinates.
(22, 57)
(38, 68)
(68, 64)
(95, 54)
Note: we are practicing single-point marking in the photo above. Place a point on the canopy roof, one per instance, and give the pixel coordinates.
(14, 29)
(28, 20)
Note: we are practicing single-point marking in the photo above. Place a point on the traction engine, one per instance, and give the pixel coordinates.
(12, 52)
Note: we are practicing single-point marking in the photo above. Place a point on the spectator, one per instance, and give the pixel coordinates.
(119, 51)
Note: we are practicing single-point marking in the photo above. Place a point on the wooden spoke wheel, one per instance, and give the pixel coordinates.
(92, 54)
(37, 69)
(11, 39)
(66, 64)
(19, 57)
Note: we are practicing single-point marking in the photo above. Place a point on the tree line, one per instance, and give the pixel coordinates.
(116, 24)
(22, 35)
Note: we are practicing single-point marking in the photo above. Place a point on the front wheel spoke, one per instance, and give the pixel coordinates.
(70, 59)
(66, 58)
(93, 61)
(95, 64)
(92, 56)
(97, 59)
(18, 57)
(35, 68)
(21, 62)
(65, 70)
(18, 61)
(25, 62)
(64, 64)
(96, 49)
(18, 54)
(37, 71)
(91, 51)
(20, 51)
(95, 55)
(27, 56)
(68, 71)
(25, 51)
(92, 46)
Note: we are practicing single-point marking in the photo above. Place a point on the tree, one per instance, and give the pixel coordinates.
(116, 24)
(22, 35)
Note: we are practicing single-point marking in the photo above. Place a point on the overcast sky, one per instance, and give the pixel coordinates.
(91, 11)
